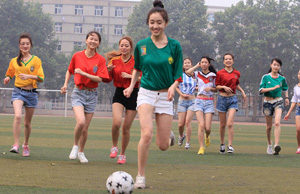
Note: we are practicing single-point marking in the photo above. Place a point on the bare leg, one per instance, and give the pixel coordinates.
(277, 128)
(84, 135)
(80, 122)
(188, 122)
(163, 125)
(181, 122)
(230, 120)
(208, 120)
(222, 117)
(269, 121)
(118, 110)
(17, 104)
(129, 117)
(297, 118)
(200, 119)
(27, 123)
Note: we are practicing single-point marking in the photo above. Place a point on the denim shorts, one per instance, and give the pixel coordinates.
(297, 111)
(156, 99)
(227, 102)
(270, 106)
(205, 106)
(185, 105)
(86, 99)
(29, 97)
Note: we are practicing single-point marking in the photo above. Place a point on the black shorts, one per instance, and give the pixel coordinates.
(128, 103)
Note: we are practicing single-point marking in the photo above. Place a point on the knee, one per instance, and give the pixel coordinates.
(125, 131)
(201, 128)
(85, 133)
(80, 123)
(18, 118)
(27, 124)
(276, 124)
(230, 125)
(116, 125)
(180, 125)
(146, 138)
(163, 147)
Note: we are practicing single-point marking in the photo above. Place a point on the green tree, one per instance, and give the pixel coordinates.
(255, 33)
(188, 24)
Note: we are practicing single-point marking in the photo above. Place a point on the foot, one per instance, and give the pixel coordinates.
(82, 157)
(187, 146)
(270, 149)
(207, 141)
(122, 159)
(201, 151)
(14, 149)
(277, 149)
(230, 149)
(298, 150)
(113, 152)
(74, 153)
(140, 182)
(25, 150)
(222, 149)
(180, 139)
(172, 139)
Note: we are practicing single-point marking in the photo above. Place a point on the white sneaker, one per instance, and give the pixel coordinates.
(172, 139)
(140, 182)
(187, 146)
(82, 157)
(230, 149)
(74, 153)
(270, 149)
(180, 139)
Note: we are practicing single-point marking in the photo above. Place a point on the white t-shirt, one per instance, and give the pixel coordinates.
(204, 81)
(296, 96)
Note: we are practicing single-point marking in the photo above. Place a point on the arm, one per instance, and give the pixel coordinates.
(135, 75)
(242, 91)
(126, 75)
(293, 105)
(94, 78)
(190, 71)
(264, 90)
(63, 89)
(28, 76)
(227, 89)
(287, 102)
(171, 90)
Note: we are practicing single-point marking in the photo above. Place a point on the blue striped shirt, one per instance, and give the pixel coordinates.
(188, 84)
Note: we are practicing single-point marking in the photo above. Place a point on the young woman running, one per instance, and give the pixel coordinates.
(28, 70)
(227, 81)
(296, 102)
(186, 104)
(88, 68)
(205, 101)
(120, 68)
(159, 58)
(271, 86)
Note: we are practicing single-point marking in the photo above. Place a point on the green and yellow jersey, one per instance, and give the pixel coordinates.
(267, 81)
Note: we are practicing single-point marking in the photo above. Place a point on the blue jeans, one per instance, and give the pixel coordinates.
(227, 102)
(298, 111)
(270, 106)
(86, 99)
(29, 97)
(185, 105)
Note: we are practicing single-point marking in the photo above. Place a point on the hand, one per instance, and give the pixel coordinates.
(110, 68)
(171, 92)
(24, 76)
(63, 90)
(6, 80)
(79, 71)
(277, 86)
(125, 75)
(286, 117)
(287, 102)
(207, 89)
(199, 64)
(127, 92)
(228, 90)
(186, 96)
(244, 97)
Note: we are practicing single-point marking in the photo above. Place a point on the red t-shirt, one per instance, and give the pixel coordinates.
(115, 73)
(228, 79)
(95, 65)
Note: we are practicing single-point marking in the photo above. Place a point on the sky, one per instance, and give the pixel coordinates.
(226, 3)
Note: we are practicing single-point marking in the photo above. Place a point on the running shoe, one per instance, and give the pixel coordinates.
(187, 146)
(25, 150)
(140, 182)
(207, 141)
(113, 152)
(172, 139)
(74, 153)
(270, 149)
(230, 149)
(277, 149)
(222, 149)
(298, 150)
(82, 157)
(201, 151)
(122, 159)
(180, 139)
(14, 149)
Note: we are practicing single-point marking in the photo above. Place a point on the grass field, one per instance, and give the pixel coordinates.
(177, 171)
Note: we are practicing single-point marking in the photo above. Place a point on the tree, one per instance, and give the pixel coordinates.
(188, 24)
(256, 33)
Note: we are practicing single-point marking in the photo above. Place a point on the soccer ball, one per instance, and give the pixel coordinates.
(120, 182)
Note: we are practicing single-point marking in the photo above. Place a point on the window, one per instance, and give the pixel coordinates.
(58, 27)
(98, 28)
(78, 9)
(118, 30)
(78, 28)
(119, 11)
(77, 44)
(58, 8)
(59, 46)
(99, 10)
(211, 17)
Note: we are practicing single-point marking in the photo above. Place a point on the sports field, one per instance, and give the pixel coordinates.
(176, 171)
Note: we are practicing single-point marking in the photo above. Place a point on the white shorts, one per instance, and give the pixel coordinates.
(156, 99)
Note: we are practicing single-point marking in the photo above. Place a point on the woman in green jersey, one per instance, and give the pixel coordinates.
(159, 58)
(272, 85)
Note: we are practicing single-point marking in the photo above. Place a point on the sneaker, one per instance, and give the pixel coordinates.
(201, 151)
(180, 139)
(122, 159)
(74, 153)
(14, 149)
(25, 150)
(230, 149)
(82, 157)
(277, 149)
(270, 149)
(113, 152)
(222, 149)
(140, 182)
(187, 146)
(207, 141)
(172, 139)
(298, 150)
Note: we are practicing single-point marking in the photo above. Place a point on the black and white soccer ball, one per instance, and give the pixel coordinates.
(120, 182)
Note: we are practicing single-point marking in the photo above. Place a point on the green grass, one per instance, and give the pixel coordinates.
(177, 171)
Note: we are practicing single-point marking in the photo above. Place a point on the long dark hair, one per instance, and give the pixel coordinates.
(158, 7)
(20, 56)
(278, 61)
(211, 68)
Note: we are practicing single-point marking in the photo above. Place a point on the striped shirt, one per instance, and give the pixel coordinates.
(188, 84)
